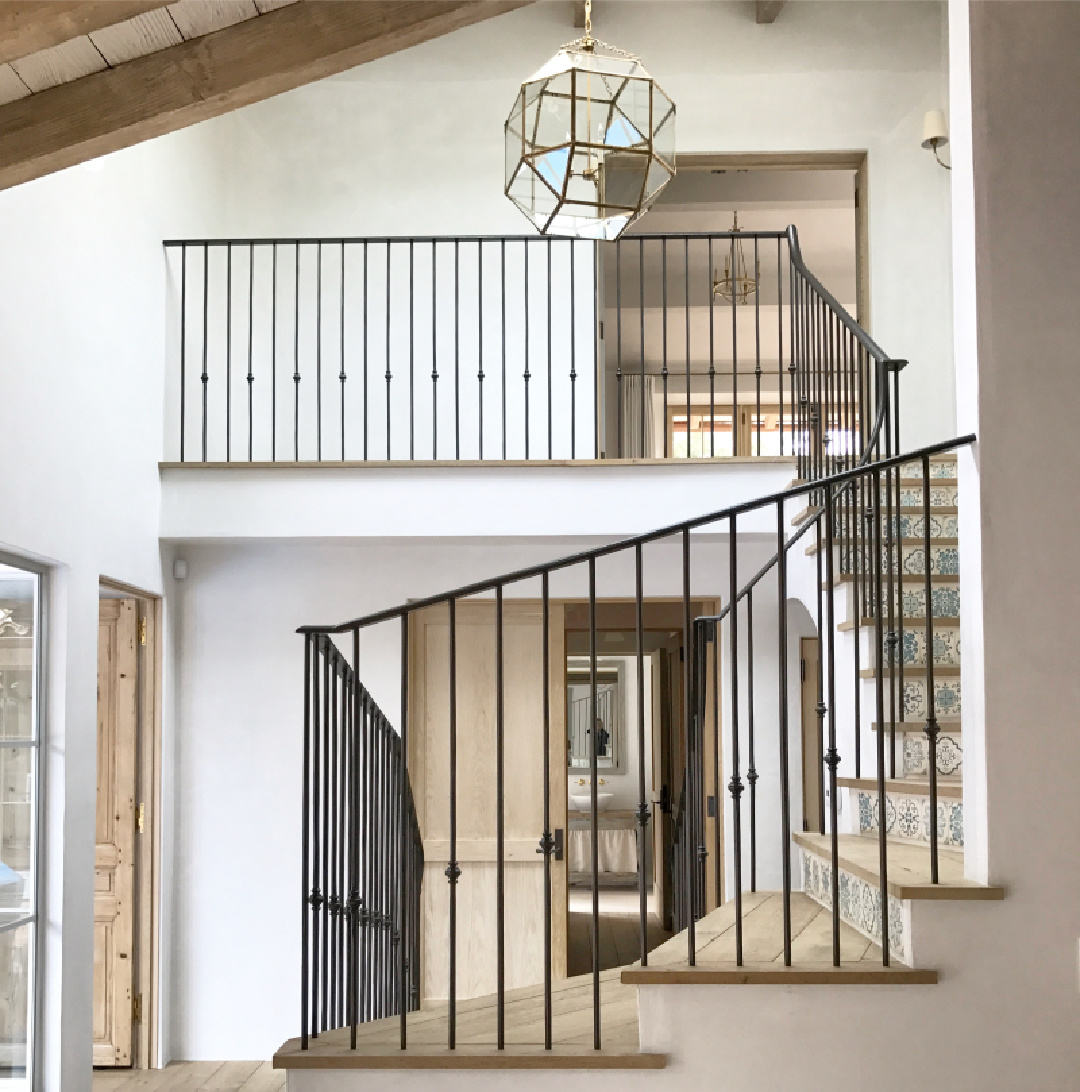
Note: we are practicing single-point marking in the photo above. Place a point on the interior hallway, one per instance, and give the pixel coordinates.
(619, 942)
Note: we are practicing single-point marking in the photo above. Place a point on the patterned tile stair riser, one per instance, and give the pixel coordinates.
(860, 904)
(916, 755)
(945, 600)
(938, 469)
(946, 647)
(946, 697)
(908, 818)
(907, 525)
(911, 496)
(944, 560)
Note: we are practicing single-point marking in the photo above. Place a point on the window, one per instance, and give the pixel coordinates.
(20, 690)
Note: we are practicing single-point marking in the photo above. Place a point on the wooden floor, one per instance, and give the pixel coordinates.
(620, 940)
(193, 1077)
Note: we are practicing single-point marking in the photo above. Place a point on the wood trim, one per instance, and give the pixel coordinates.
(208, 76)
(32, 25)
(465, 1056)
(767, 974)
(773, 161)
(475, 464)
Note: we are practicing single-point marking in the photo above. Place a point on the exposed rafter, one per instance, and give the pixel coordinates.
(767, 10)
(29, 25)
(208, 76)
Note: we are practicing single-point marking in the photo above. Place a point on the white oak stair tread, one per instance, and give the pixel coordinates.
(911, 621)
(909, 867)
(378, 1041)
(949, 726)
(763, 950)
(911, 671)
(953, 789)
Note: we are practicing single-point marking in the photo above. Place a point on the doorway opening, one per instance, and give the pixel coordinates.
(126, 849)
(691, 372)
(627, 744)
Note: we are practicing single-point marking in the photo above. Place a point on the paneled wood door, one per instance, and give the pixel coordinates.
(114, 851)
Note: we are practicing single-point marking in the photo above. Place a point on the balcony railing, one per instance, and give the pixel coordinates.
(513, 348)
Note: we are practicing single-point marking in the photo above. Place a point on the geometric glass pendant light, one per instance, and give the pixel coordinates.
(590, 141)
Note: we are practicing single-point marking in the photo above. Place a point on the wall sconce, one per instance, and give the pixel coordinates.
(935, 134)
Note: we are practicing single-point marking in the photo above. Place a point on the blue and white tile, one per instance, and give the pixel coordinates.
(916, 754)
(908, 817)
(946, 698)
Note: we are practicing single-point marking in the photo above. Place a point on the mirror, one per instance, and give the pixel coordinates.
(610, 714)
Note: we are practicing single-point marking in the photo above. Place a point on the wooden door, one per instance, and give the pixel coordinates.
(114, 851)
(476, 794)
(811, 737)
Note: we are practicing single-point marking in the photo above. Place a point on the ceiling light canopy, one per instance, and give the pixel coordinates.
(590, 142)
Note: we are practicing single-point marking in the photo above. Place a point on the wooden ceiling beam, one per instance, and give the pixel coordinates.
(209, 76)
(29, 25)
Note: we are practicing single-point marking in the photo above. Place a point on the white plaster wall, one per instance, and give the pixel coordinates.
(236, 942)
(82, 329)
(411, 144)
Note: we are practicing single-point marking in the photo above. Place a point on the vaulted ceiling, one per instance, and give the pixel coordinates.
(81, 78)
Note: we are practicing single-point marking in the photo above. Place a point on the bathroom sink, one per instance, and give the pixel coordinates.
(583, 801)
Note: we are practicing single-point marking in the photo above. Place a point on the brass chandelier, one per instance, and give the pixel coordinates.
(736, 285)
(590, 141)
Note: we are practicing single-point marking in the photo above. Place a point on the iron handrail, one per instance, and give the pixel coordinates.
(532, 571)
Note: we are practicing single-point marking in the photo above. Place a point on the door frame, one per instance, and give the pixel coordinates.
(856, 160)
(146, 1040)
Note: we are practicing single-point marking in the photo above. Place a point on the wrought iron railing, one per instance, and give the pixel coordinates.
(852, 516)
(509, 348)
(363, 858)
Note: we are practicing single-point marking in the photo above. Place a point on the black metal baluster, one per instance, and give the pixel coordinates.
(296, 356)
(206, 339)
(526, 376)
(879, 686)
(645, 454)
(688, 717)
(549, 358)
(895, 592)
(547, 841)
(457, 349)
(785, 792)
(894, 407)
(480, 345)
(686, 302)
(435, 352)
(251, 327)
(757, 341)
(832, 758)
(183, 347)
(500, 839)
(315, 897)
(324, 1023)
(341, 350)
(453, 871)
(780, 339)
(931, 728)
(332, 840)
(389, 374)
(573, 354)
(618, 348)
(502, 331)
(712, 356)
(594, 822)
(273, 359)
(412, 350)
(318, 352)
(403, 774)
(751, 768)
(819, 708)
(305, 849)
(359, 787)
(735, 786)
(643, 805)
(718, 791)
(664, 370)
(735, 449)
